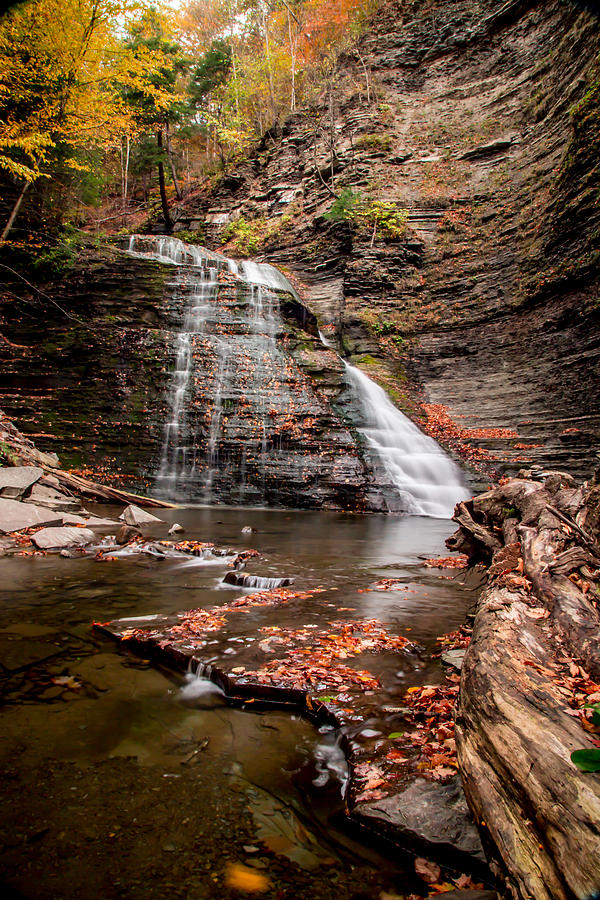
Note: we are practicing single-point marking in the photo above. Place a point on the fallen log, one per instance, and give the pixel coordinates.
(533, 662)
(101, 492)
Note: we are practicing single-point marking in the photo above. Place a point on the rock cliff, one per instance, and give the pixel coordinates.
(480, 120)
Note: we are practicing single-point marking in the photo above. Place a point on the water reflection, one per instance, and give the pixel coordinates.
(121, 708)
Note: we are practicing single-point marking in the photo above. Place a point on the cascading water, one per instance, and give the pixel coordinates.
(428, 482)
(231, 382)
(242, 418)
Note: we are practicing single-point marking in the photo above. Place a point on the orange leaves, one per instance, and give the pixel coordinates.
(447, 562)
(242, 878)
(313, 658)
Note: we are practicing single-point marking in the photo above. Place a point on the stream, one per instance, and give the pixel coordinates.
(122, 780)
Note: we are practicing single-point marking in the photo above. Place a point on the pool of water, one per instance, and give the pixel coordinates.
(81, 712)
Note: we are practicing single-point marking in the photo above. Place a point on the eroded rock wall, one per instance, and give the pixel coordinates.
(88, 371)
(481, 120)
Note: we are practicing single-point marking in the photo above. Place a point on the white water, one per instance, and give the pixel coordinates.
(428, 481)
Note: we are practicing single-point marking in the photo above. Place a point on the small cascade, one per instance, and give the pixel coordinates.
(231, 381)
(428, 482)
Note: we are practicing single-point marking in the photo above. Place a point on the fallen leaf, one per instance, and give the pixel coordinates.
(241, 878)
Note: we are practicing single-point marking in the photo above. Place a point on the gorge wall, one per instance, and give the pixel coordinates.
(480, 119)
(185, 380)
(481, 319)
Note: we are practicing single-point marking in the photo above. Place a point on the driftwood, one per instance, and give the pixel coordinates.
(101, 492)
(533, 661)
(17, 449)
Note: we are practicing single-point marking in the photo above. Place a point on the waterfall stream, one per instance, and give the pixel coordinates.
(428, 481)
(227, 360)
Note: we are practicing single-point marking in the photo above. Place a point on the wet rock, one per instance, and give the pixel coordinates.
(256, 581)
(127, 533)
(16, 480)
(428, 813)
(97, 522)
(454, 658)
(134, 515)
(176, 528)
(57, 538)
(248, 529)
(15, 516)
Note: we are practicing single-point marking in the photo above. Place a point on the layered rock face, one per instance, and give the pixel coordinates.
(481, 121)
(189, 381)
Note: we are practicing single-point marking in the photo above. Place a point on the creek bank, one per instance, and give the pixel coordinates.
(530, 672)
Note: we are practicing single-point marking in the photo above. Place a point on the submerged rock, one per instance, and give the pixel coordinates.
(134, 515)
(428, 813)
(67, 536)
(15, 481)
(176, 528)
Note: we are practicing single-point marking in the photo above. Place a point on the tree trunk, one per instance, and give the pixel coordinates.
(14, 212)
(532, 664)
(293, 61)
(178, 193)
(161, 184)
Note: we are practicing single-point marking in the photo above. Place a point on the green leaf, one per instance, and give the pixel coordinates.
(326, 699)
(587, 760)
(395, 734)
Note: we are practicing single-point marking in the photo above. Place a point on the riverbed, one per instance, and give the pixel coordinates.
(122, 780)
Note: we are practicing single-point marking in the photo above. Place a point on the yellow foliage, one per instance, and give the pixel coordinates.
(60, 63)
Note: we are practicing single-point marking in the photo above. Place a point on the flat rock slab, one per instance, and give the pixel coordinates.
(453, 658)
(16, 480)
(134, 515)
(15, 516)
(96, 522)
(44, 495)
(435, 814)
(57, 538)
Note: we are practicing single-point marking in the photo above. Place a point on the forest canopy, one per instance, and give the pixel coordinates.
(112, 105)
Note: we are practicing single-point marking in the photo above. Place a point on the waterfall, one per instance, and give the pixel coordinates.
(242, 421)
(228, 364)
(428, 481)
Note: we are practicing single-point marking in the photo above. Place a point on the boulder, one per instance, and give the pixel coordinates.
(15, 481)
(134, 515)
(15, 516)
(176, 528)
(127, 533)
(58, 538)
(429, 815)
